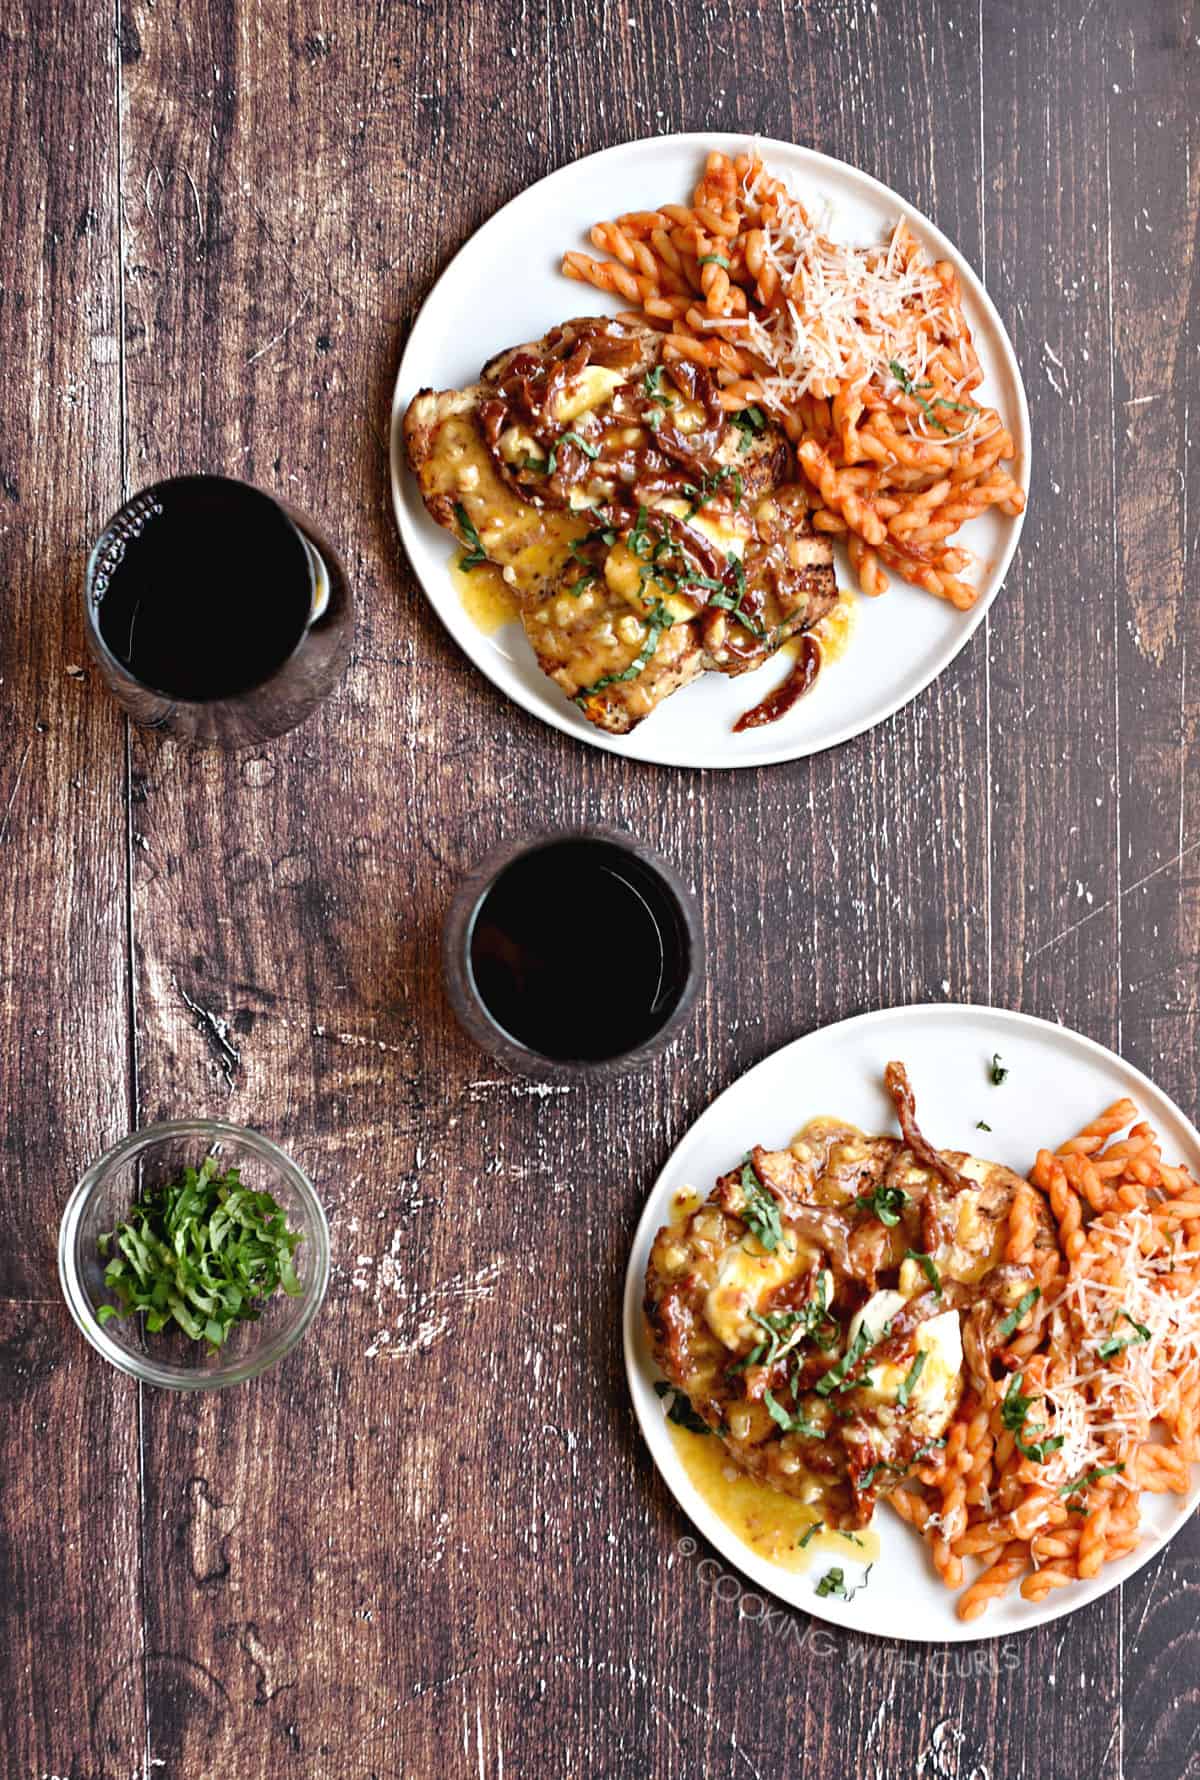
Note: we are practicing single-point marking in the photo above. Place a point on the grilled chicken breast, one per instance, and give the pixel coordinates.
(647, 534)
(790, 1310)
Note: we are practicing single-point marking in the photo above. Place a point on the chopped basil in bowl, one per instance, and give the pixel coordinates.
(194, 1254)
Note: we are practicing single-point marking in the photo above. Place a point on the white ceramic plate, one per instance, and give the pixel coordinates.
(1057, 1081)
(505, 287)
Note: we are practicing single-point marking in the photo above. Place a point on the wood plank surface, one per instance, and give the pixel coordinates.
(431, 1542)
(71, 1677)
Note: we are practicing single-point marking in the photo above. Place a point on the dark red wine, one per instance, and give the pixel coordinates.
(579, 952)
(208, 590)
(216, 613)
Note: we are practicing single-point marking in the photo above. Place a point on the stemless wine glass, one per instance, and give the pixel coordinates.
(574, 955)
(216, 612)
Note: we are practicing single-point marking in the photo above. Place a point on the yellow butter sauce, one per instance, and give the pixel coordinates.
(835, 630)
(487, 599)
(766, 1520)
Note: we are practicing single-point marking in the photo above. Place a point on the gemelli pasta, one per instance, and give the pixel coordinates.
(863, 355)
(1042, 1467)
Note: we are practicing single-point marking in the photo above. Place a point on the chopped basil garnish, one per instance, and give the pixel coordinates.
(713, 259)
(913, 389)
(1015, 1407)
(749, 422)
(834, 1583)
(998, 1070)
(679, 1409)
(602, 535)
(652, 385)
(837, 1373)
(641, 538)
(982, 1125)
(1090, 1477)
(1013, 1412)
(811, 1533)
(475, 553)
(658, 619)
(1116, 1344)
(588, 450)
(786, 1329)
(886, 1203)
(760, 1213)
(792, 1424)
(914, 1373)
(1039, 1450)
(928, 1267)
(1018, 1314)
(203, 1251)
(732, 603)
(923, 1452)
(711, 486)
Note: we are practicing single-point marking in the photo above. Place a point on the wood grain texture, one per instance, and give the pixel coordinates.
(431, 1542)
(71, 1680)
(1152, 153)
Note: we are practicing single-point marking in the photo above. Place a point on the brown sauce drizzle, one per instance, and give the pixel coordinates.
(621, 475)
(665, 462)
(900, 1088)
(801, 680)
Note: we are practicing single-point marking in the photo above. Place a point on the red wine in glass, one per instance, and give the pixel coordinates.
(216, 612)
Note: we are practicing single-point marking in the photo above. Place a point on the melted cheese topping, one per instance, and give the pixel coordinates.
(531, 543)
(746, 1273)
(835, 631)
(592, 388)
(935, 1394)
(728, 531)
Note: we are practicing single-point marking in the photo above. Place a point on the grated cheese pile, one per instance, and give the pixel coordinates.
(850, 312)
(1129, 1392)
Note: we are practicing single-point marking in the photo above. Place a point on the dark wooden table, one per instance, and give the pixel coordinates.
(431, 1543)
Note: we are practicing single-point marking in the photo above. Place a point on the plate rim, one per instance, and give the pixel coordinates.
(627, 747)
(722, 1538)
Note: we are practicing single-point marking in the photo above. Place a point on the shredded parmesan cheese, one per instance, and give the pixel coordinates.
(1129, 1391)
(850, 315)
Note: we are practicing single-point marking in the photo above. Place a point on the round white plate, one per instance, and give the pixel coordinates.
(505, 287)
(1057, 1081)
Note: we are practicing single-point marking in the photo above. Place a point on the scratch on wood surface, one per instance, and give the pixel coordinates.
(1052, 365)
(154, 209)
(215, 1032)
(1114, 901)
(208, 1525)
(275, 1672)
(518, 1089)
(4, 826)
(421, 1317)
(941, 1758)
(285, 329)
(354, 1038)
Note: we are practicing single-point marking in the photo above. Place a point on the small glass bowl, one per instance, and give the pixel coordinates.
(102, 1199)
